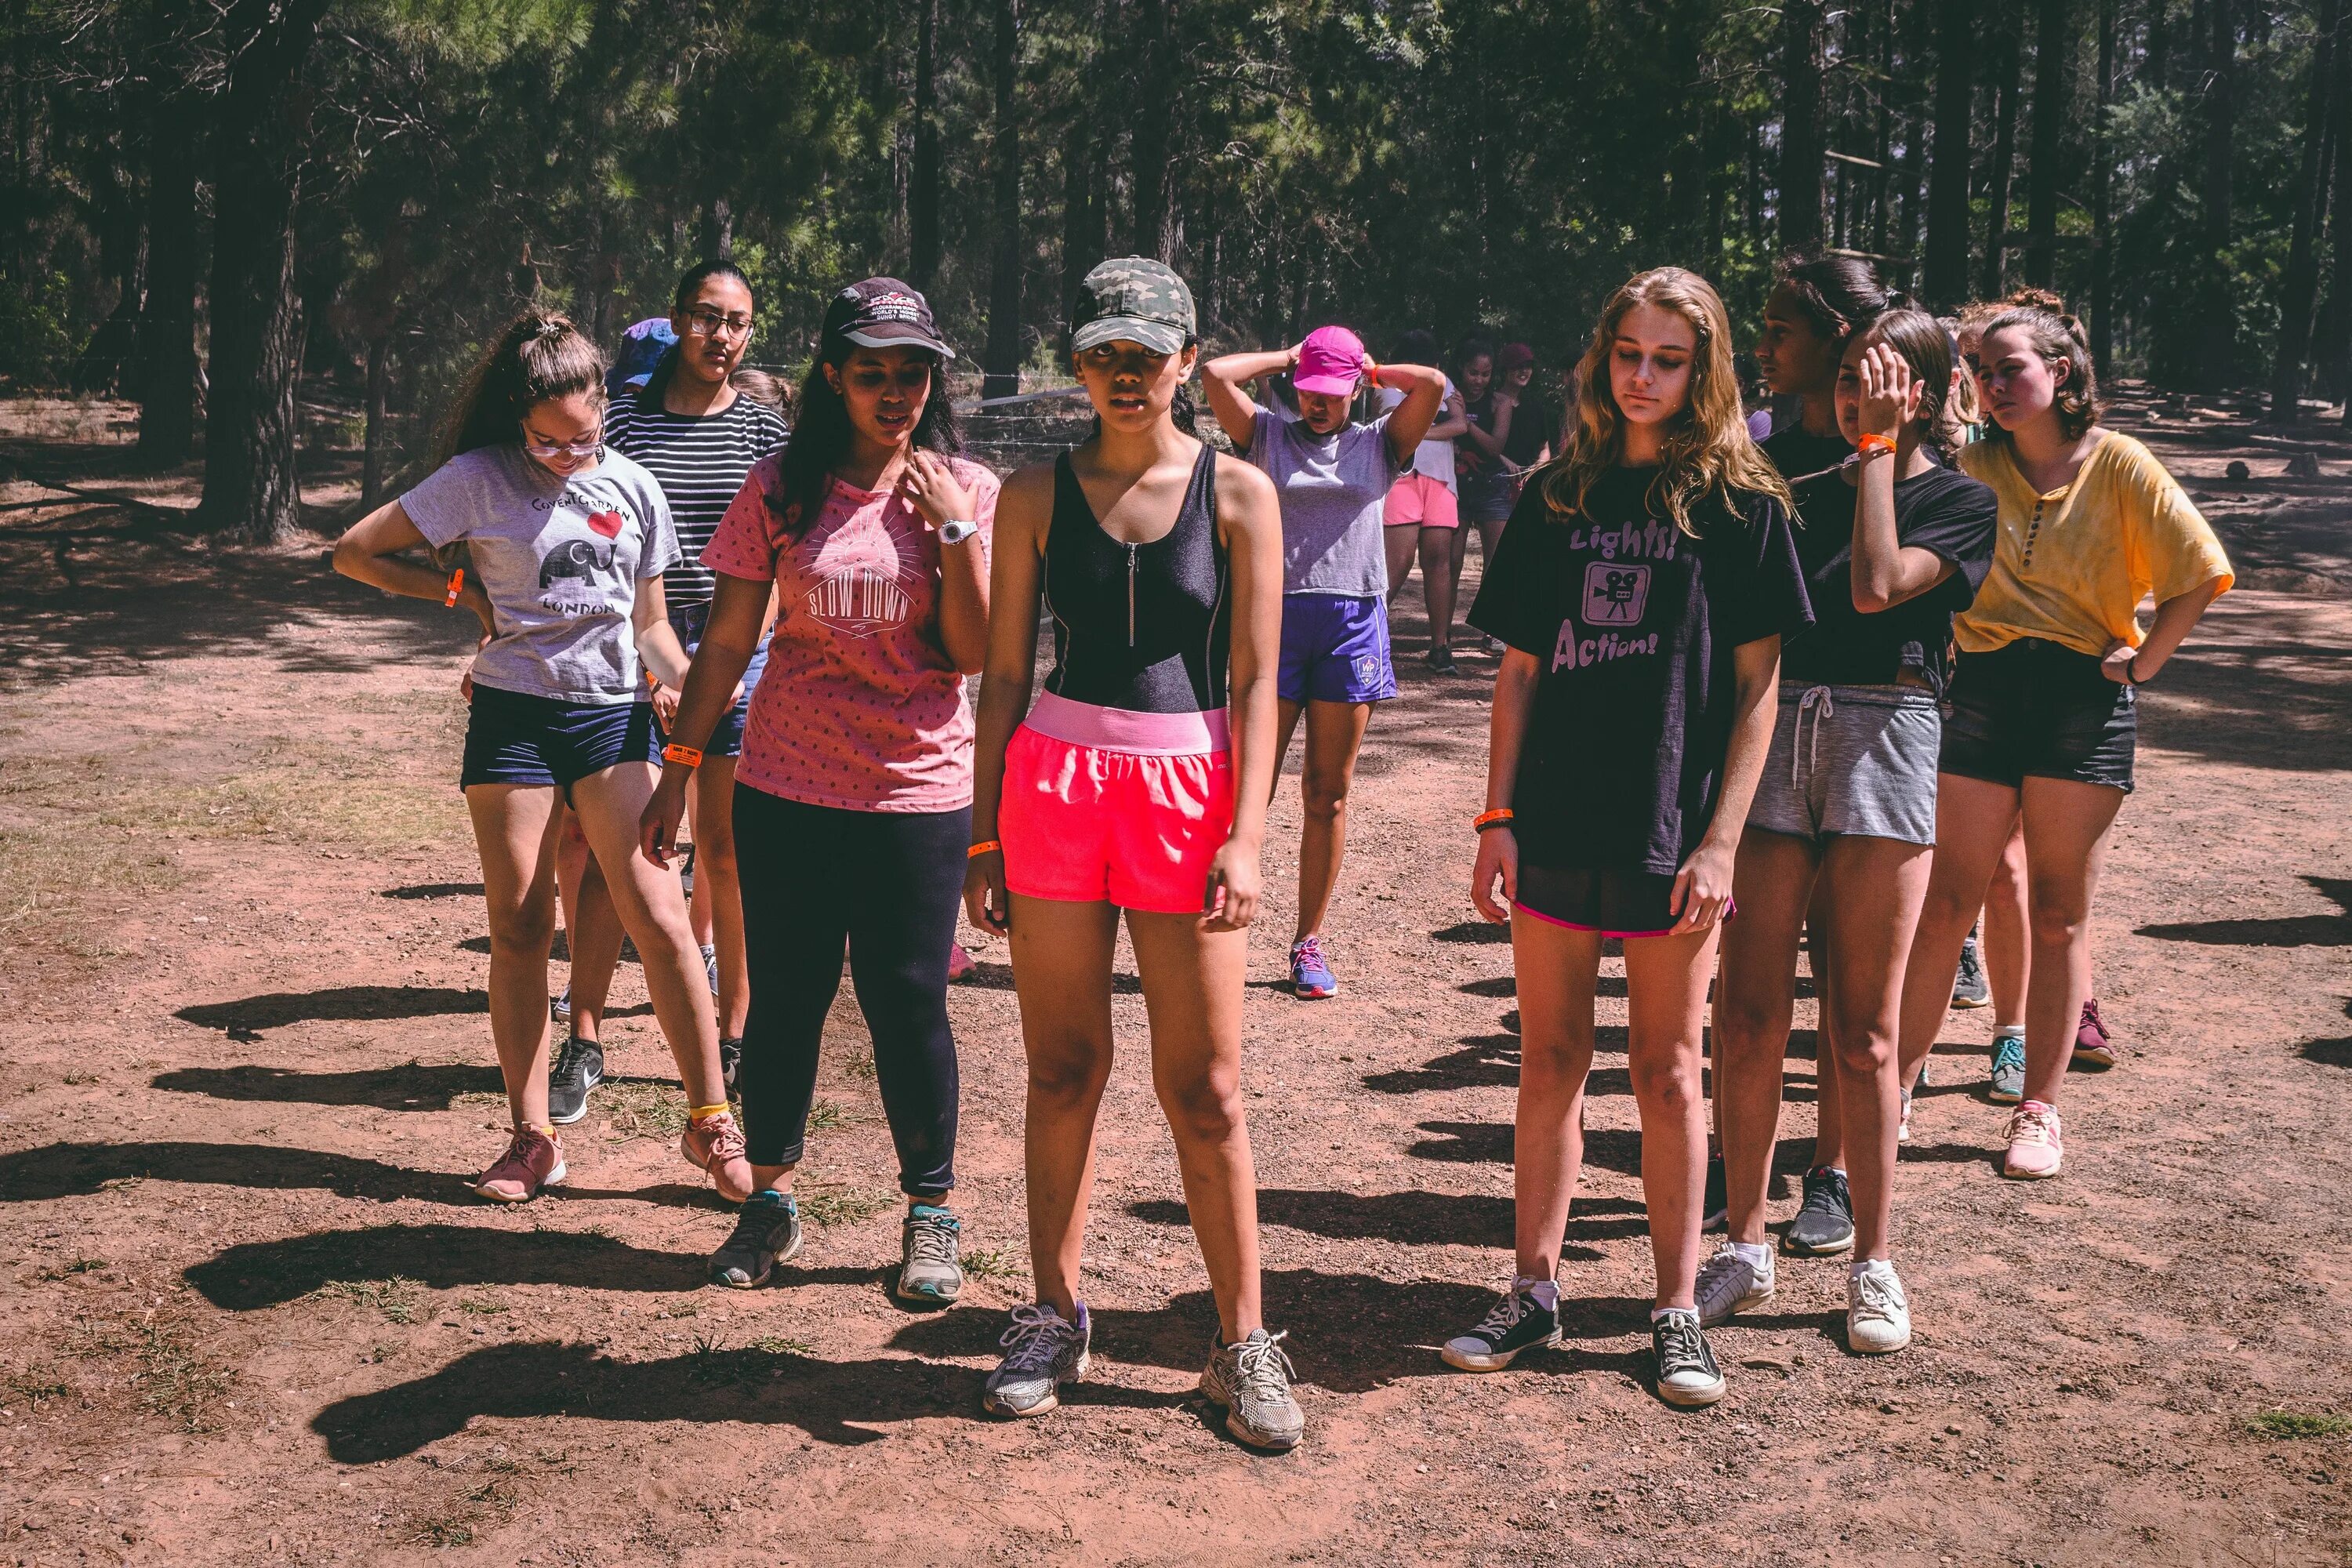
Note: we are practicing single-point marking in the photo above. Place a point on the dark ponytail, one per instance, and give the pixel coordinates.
(1839, 295)
(658, 384)
(540, 355)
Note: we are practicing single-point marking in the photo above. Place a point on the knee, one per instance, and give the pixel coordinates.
(1863, 1044)
(2055, 923)
(1565, 1059)
(523, 929)
(1202, 1110)
(1067, 1078)
(1744, 1024)
(1666, 1085)
(1325, 798)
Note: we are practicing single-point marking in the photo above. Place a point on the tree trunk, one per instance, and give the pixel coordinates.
(1156, 230)
(718, 230)
(2336, 330)
(250, 487)
(2103, 201)
(923, 195)
(166, 377)
(1001, 375)
(2007, 21)
(1082, 206)
(1801, 124)
(375, 465)
(2054, 54)
(2158, 66)
(2217, 312)
(1945, 279)
(2301, 284)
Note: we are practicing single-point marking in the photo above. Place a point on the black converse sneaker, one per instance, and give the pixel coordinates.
(1517, 1322)
(1688, 1375)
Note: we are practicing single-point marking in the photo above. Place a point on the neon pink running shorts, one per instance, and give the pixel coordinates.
(1102, 804)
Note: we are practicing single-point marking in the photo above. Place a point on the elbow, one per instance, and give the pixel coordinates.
(1871, 601)
(348, 558)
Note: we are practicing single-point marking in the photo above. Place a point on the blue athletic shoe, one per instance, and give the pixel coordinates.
(1310, 976)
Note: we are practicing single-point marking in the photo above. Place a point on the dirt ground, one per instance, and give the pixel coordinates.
(252, 1317)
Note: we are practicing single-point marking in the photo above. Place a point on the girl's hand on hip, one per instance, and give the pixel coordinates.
(2117, 664)
(1498, 861)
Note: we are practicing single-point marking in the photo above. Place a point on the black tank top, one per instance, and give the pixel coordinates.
(1145, 628)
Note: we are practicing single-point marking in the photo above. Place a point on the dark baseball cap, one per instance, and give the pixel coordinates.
(883, 313)
(1137, 299)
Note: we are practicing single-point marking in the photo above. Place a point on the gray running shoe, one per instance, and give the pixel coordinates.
(1687, 1375)
(767, 1232)
(1728, 1283)
(1969, 988)
(932, 1275)
(2007, 1085)
(710, 967)
(1041, 1349)
(1824, 1222)
(558, 1006)
(1252, 1381)
(578, 1068)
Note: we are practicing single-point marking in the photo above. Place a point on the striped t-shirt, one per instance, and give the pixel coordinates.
(700, 462)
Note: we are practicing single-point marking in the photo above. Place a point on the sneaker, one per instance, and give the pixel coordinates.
(711, 967)
(2037, 1143)
(959, 963)
(1310, 977)
(1441, 660)
(1877, 1314)
(2008, 1084)
(578, 1068)
(714, 1146)
(1718, 1195)
(1728, 1283)
(558, 1006)
(1252, 1381)
(1688, 1375)
(1495, 647)
(533, 1160)
(1041, 1349)
(1518, 1321)
(1969, 988)
(1903, 1127)
(2092, 1046)
(730, 1066)
(767, 1232)
(685, 854)
(1824, 1222)
(930, 1274)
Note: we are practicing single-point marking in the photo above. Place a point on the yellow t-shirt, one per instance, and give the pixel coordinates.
(2071, 567)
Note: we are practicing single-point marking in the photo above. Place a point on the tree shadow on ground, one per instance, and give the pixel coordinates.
(415, 1087)
(373, 1004)
(434, 890)
(1614, 1149)
(1414, 1218)
(2335, 1053)
(985, 977)
(2262, 683)
(76, 1169)
(440, 1257)
(2285, 931)
(1503, 986)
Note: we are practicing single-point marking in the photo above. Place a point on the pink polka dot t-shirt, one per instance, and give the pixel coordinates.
(860, 709)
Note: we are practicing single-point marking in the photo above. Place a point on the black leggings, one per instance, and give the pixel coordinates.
(890, 884)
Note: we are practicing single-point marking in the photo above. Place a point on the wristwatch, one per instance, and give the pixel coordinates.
(956, 530)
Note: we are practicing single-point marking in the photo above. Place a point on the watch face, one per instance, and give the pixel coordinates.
(957, 530)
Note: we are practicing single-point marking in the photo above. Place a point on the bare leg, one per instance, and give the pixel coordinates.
(1397, 542)
(698, 908)
(1666, 980)
(1972, 818)
(596, 939)
(2066, 826)
(1771, 883)
(1335, 733)
(514, 826)
(1439, 575)
(1829, 1090)
(718, 892)
(2007, 953)
(1061, 970)
(1872, 887)
(1558, 971)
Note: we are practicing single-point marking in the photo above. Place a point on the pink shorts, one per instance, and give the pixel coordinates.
(1101, 805)
(1416, 498)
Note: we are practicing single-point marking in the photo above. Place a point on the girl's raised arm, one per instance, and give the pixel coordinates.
(1409, 422)
(1224, 379)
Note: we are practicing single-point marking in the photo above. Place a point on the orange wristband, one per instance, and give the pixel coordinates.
(987, 846)
(686, 756)
(1874, 443)
(1500, 816)
(456, 583)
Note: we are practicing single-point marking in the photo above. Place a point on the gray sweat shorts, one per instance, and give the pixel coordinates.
(1856, 761)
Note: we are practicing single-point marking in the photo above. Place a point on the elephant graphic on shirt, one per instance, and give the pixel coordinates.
(574, 558)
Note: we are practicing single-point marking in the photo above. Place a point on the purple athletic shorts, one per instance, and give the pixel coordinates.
(1335, 648)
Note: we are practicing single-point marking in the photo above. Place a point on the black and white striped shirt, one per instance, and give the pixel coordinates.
(700, 462)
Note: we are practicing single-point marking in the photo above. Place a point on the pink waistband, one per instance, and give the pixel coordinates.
(1123, 730)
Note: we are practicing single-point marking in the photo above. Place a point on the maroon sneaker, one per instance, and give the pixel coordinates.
(2092, 1046)
(533, 1160)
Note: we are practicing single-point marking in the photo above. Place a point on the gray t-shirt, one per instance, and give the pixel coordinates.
(1333, 489)
(561, 560)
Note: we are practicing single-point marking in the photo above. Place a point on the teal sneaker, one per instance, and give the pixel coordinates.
(931, 1274)
(2007, 1069)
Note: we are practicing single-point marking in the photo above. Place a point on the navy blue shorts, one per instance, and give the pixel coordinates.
(2032, 708)
(726, 740)
(1335, 648)
(515, 739)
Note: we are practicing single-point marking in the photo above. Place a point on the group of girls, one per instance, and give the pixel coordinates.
(1656, 764)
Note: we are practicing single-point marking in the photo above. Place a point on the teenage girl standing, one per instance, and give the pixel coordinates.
(565, 544)
(1843, 823)
(2044, 715)
(1421, 514)
(852, 800)
(1333, 475)
(1642, 591)
(1138, 782)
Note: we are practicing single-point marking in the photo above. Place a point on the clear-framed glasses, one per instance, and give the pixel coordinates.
(538, 448)
(711, 324)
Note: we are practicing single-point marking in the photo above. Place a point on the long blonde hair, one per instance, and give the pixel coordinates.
(1708, 452)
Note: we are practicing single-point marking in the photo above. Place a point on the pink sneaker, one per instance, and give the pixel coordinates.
(533, 1160)
(2092, 1046)
(959, 963)
(2037, 1143)
(715, 1145)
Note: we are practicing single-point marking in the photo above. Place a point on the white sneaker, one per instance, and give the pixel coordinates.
(1903, 1129)
(1729, 1283)
(1877, 1314)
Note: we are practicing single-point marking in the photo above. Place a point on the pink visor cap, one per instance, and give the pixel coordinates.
(1331, 361)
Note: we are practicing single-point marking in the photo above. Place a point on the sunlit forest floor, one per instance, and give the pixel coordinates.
(252, 1317)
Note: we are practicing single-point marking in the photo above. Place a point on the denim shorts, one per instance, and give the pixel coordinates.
(512, 738)
(1335, 648)
(1851, 762)
(2033, 709)
(727, 740)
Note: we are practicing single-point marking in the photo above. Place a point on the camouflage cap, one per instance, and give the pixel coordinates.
(1135, 298)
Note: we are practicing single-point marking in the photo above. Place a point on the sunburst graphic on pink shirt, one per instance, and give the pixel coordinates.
(859, 602)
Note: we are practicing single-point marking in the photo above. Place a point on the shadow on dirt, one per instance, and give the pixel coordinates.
(373, 1004)
(2286, 931)
(415, 1087)
(438, 1256)
(76, 1169)
(1415, 1218)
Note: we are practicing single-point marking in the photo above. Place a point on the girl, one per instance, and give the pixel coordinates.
(1422, 516)
(566, 543)
(1643, 590)
(693, 430)
(2044, 707)
(1816, 306)
(1333, 476)
(1140, 783)
(1487, 494)
(854, 795)
(1845, 821)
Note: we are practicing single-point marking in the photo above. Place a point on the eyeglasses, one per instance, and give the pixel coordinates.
(538, 448)
(711, 324)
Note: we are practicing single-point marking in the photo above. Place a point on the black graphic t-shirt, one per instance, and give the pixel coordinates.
(1940, 509)
(1633, 623)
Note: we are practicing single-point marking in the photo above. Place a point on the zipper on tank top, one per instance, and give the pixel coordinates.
(1131, 595)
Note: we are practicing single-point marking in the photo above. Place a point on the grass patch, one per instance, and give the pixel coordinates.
(77, 1079)
(79, 1266)
(2287, 1426)
(990, 1263)
(481, 1307)
(174, 1380)
(843, 1206)
(35, 1389)
(444, 1532)
(860, 1064)
(395, 1298)
(825, 1116)
(778, 1344)
(643, 1111)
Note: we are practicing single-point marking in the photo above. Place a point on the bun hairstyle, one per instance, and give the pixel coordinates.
(1839, 295)
(540, 355)
(2059, 339)
(1708, 452)
(1927, 348)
